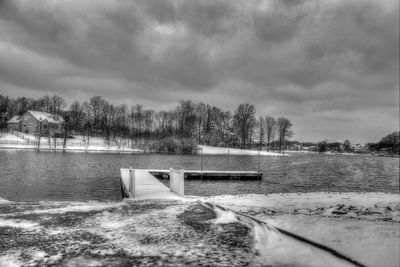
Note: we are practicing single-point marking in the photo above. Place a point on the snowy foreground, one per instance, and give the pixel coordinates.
(364, 227)
(212, 150)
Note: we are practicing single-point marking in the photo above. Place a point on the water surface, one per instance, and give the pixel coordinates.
(33, 176)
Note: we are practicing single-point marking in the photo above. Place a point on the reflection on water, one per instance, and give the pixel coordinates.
(31, 176)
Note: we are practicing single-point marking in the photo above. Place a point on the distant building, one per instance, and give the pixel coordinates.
(13, 123)
(29, 122)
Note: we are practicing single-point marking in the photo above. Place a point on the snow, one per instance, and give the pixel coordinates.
(9, 260)
(153, 228)
(369, 235)
(276, 248)
(77, 207)
(24, 135)
(4, 201)
(372, 242)
(212, 150)
(11, 137)
(17, 223)
(73, 145)
(372, 205)
(224, 217)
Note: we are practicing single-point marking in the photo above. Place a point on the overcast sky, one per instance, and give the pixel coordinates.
(330, 66)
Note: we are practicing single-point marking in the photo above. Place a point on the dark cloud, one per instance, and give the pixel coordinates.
(331, 65)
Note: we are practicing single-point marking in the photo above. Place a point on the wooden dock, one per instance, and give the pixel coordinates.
(212, 175)
(140, 184)
(143, 184)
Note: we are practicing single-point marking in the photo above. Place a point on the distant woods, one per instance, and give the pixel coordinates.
(389, 144)
(188, 124)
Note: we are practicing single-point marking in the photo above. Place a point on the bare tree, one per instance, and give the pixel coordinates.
(200, 111)
(186, 118)
(94, 111)
(138, 118)
(76, 116)
(261, 131)
(244, 122)
(58, 104)
(148, 123)
(283, 125)
(270, 130)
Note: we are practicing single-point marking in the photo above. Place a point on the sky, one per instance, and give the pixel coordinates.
(331, 67)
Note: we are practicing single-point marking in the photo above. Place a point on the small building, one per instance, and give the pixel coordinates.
(31, 122)
(13, 123)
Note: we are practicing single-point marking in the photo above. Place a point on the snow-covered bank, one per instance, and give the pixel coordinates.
(74, 149)
(20, 140)
(363, 226)
(181, 233)
(212, 150)
(375, 206)
(279, 247)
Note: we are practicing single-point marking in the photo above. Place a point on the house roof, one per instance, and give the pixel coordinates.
(14, 119)
(46, 116)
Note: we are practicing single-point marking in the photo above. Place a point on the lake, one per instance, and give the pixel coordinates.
(32, 176)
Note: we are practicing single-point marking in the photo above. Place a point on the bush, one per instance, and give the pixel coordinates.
(174, 145)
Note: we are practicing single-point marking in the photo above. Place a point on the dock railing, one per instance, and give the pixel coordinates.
(177, 181)
(132, 182)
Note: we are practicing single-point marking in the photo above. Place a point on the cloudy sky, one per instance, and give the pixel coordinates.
(330, 66)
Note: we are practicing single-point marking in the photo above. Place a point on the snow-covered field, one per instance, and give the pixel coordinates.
(212, 150)
(11, 137)
(27, 141)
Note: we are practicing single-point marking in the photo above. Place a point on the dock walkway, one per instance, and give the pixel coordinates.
(146, 186)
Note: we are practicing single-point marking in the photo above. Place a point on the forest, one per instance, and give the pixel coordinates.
(180, 129)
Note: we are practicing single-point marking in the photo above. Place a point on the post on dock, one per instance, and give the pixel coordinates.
(177, 181)
(65, 136)
(201, 163)
(132, 182)
(40, 132)
(228, 158)
(258, 168)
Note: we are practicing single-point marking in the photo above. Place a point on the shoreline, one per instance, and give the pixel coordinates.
(365, 204)
(207, 150)
(181, 232)
(74, 150)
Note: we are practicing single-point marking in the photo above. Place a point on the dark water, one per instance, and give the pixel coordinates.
(32, 176)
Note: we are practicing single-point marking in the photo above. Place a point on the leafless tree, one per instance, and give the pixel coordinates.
(261, 131)
(283, 125)
(244, 122)
(270, 130)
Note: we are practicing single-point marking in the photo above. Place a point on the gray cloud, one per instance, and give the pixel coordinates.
(324, 64)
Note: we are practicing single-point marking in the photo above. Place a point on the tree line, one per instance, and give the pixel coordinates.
(188, 123)
(390, 144)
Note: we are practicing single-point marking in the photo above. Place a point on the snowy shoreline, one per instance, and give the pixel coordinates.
(212, 150)
(371, 206)
(73, 149)
(368, 205)
(181, 233)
